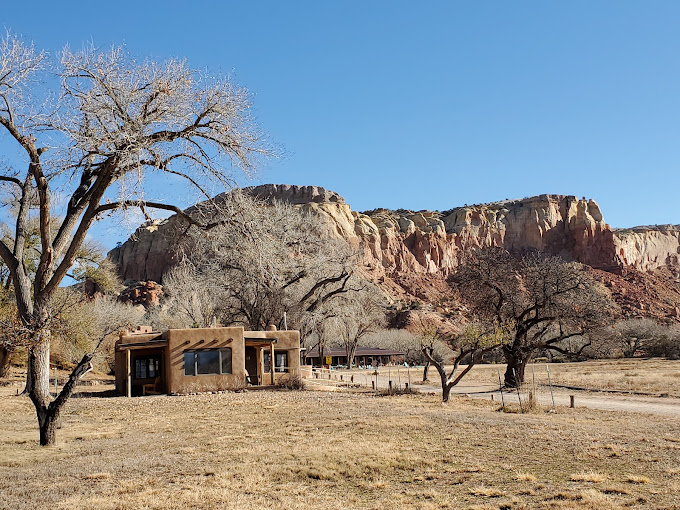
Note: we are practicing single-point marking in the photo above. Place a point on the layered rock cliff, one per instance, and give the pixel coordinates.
(400, 244)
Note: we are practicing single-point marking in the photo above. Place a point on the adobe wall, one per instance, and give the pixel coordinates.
(142, 334)
(180, 340)
(288, 341)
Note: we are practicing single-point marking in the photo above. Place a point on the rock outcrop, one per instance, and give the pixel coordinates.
(646, 248)
(398, 245)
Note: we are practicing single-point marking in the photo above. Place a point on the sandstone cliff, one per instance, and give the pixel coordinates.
(397, 246)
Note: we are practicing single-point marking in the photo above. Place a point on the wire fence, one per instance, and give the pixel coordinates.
(537, 390)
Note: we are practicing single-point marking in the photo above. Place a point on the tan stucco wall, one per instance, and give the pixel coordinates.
(121, 361)
(181, 340)
(288, 341)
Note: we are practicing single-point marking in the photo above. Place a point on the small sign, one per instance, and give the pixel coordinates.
(329, 360)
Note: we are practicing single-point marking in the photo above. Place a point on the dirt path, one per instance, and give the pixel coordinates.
(667, 406)
(604, 401)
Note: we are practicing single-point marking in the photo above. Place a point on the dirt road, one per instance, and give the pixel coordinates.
(667, 406)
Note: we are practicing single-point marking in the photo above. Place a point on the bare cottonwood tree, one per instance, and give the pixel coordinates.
(430, 329)
(107, 122)
(470, 345)
(445, 341)
(267, 259)
(545, 302)
(88, 326)
(637, 335)
(358, 314)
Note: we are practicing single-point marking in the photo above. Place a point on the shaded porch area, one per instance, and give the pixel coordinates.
(258, 355)
(144, 367)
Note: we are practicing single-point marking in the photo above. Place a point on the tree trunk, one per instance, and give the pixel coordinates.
(48, 419)
(38, 373)
(38, 387)
(350, 354)
(426, 369)
(517, 362)
(5, 357)
(446, 390)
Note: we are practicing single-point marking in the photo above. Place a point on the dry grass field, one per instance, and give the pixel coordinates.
(658, 376)
(319, 449)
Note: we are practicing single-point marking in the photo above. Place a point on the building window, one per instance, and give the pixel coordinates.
(147, 367)
(207, 362)
(280, 361)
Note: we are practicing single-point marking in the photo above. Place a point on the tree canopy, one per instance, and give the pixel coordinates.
(91, 126)
(542, 301)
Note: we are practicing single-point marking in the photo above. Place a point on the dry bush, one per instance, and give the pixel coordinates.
(291, 382)
(395, 390)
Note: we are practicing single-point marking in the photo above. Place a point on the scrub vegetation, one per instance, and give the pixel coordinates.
(311, 449)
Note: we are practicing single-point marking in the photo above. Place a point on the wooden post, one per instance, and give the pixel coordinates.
(552, 395)
(271, 364)
(571, 401)
(128, 391)
(514, 373)
(373, 385)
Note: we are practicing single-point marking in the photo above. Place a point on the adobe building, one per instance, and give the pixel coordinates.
(363, 357)
(203, 359)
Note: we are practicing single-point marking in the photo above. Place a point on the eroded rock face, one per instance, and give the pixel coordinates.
(402, 242)
(431, 242)
(146, 294)
(148, 253)
(646, 248)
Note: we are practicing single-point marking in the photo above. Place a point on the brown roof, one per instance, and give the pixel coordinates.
(361, 351)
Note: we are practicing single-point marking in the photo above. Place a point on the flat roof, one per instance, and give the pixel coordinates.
(361, 351)
(160, 342)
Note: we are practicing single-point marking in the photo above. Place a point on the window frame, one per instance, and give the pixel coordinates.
(220, 360)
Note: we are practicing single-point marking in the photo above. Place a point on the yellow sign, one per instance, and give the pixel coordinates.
(329, 360)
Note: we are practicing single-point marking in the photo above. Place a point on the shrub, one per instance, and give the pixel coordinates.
(291, 382)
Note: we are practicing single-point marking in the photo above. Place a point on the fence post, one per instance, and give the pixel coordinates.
(551, 390)
(571, 401)
(521, 410)
(500, 386)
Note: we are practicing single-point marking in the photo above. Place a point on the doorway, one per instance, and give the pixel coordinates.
(252, 366)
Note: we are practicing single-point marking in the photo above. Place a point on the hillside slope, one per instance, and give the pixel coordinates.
(410, 253)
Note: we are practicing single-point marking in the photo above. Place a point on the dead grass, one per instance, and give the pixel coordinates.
(637, 479)
(588, 477)
(309, 449)
(526, 477)
(658, 376)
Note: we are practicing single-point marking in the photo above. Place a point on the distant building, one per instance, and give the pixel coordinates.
(364, 356)
(203, 359)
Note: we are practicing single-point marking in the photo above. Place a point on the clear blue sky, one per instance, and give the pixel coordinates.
(431, 104)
